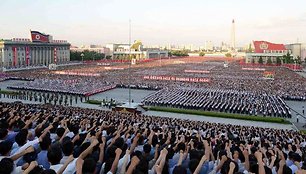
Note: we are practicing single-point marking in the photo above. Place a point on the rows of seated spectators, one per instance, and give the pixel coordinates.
(286, 83)
(41, 139)
(231, 101)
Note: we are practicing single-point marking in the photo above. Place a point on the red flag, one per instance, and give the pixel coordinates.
(39, 37)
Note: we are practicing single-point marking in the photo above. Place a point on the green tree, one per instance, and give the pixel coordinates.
(74, 55)
(202, 54)
(278, 60)
(88, 55)
(288, 59)
(260, 60)
(269, 61)
(250, 48)
(253, 60)
(179, 53)
(228, 55)
(298, 60)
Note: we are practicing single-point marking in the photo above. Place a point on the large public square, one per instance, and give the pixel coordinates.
(150, 77)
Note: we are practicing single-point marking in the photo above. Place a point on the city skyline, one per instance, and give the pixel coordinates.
(156, 22)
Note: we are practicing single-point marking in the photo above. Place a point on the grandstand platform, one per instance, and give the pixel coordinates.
(134, 108)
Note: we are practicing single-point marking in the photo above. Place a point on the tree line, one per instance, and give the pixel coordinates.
(87, 55)
(285, 59)
(178, 53)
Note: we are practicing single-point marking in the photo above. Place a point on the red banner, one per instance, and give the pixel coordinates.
(254, 69)
(55, 55)
(269, 74)
(77, 73)
(14, 55)
(196, 71)
(178, 79)
(27, 53)
(39, 37)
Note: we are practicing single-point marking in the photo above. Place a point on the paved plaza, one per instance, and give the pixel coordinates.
(121, 95)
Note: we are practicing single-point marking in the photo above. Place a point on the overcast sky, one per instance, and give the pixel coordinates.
(156, 21)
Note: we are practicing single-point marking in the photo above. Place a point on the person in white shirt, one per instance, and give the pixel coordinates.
(54, 157)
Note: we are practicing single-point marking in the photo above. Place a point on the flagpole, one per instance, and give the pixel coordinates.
(129, 62)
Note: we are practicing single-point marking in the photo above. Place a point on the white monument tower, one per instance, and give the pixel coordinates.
(233, 37)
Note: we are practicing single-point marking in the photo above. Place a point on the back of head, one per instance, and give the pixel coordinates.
(6, 166)
(143, 165)
(193, 164)
(29, 157)
(3, 133)
(147, 148)
(36, 170)
(21, 137)
(179, 170)
(60, 132)
(67, 147)
(5, 147)
(48, 171)
(89, 166)
(45, 143)
(54, 155)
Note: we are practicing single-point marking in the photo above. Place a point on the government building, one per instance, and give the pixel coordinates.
(135, 51)
(39, 50)
(266, 50)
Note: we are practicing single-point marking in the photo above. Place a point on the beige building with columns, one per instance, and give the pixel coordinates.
(17, 53)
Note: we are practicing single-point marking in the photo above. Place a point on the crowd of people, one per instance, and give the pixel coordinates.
(76, 86)
(230, 101)
(46, 97)
(286, 83)
(262, 96)
(44, 139)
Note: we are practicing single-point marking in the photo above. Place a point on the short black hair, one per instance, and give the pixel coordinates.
(54, 155)
(181, 146)
(29, 157)
(21, 137)
(60, 132)
(48, 171)
(5, 147)
(36, 170)
(193, 164)
(179, 170)
(3, 133)
(67, 147)
(6, 166)
(45, 143)
(147, 148)
(89, 166)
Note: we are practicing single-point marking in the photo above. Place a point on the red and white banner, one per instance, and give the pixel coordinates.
(14, 55)
(113, 68)
(55, 55)
(254, 69)
(39, 37)
(178, 79)
(77, 73)
(196, 71)
(27, 53)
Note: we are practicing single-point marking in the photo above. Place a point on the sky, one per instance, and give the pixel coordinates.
(156, 22)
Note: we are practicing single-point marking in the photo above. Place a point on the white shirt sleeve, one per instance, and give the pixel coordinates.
(71, 168)
(123, 163)
(25, 146)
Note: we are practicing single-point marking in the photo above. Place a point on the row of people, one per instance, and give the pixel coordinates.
(219, 100)
(40, 139)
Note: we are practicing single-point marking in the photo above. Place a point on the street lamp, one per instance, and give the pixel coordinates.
(160, 61)
(82, 55)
